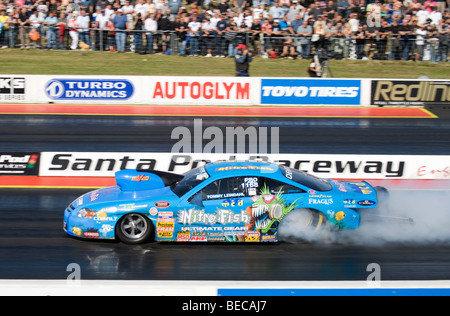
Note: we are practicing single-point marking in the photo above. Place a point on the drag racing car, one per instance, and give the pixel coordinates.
(219, 202)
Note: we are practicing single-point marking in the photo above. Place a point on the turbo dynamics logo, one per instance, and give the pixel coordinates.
(79, 89)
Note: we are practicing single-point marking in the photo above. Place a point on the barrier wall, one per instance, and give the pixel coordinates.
(148, 90)
(93, 170)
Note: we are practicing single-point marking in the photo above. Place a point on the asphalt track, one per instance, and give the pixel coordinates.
(34, 246)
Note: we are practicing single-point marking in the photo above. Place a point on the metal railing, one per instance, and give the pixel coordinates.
(169, 42)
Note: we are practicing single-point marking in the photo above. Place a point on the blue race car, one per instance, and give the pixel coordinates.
(220, 201)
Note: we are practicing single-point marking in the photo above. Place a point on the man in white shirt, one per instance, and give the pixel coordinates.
(150, 26)
(101, 25)
(421, 35)
(128, 10)
(435, 16)
(141, 8)
(422, 16)
(83, 21)
(194, 34)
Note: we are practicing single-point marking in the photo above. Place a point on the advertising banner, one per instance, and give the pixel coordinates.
(409, 92)
(88, 89)
(202, 90)
(64, 164)
(311, 92)
(12, 88)
(21, 164)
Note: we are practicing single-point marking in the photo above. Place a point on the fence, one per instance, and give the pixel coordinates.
(168, 42)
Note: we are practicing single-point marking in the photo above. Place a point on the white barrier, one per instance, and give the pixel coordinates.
(195, 90)
(390, 167)
(215, 288)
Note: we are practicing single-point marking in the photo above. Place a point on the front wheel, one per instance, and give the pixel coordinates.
(134, 229)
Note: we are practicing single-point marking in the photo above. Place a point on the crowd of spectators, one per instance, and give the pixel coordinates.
(354, 29)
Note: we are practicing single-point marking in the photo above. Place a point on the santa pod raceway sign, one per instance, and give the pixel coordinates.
(202, 90)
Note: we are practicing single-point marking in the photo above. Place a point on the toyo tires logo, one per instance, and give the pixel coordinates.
(95, 89)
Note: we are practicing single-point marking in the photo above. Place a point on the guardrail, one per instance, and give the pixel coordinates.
(393, 46)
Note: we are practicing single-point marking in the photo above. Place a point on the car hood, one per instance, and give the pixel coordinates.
(116, 195)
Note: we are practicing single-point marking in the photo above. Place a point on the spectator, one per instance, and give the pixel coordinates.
(405, 31)
(35, 25)
(221, 26)
(138, 26)
(101, 33)
(242, 61)
(51, 21)
(24, 24)
(83, 22)
(13, 24)
(3, 28)
(181, 28)
(73, 30)
(444, 31)
(207, 36)
(165, 26)
(359, 38)
(394, 40)
(150, 26)
(194, 35)
(276, 11)
(62, 29)
(120, 27)
(421, 35)
(305, 32)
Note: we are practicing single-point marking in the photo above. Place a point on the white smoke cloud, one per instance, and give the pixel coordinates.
(430, 211)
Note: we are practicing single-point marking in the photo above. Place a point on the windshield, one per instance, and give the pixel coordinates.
(190, 180)
(305, 179)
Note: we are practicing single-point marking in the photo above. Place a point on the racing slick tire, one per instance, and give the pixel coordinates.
(301, 223)
(383, 200)
(134, 229)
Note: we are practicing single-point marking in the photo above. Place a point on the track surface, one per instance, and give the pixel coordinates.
(33, 245)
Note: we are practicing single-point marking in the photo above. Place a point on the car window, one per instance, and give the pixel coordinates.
(305, 179)
(275, 186)
(236, 187)
(190, 180)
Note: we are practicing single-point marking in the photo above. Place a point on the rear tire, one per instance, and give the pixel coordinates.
(383, 200)
(301, 223)
(134, 229)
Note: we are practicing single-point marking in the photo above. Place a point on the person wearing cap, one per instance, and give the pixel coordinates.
(121, 26)
(242, 61)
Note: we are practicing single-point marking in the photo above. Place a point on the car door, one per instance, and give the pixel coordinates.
(219, 211)
(274, 199)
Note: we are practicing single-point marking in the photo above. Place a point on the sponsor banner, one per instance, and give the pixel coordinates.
(19, 164)
(89, 89)
(12, 88)
(64, 164)
(409, 92)
(311, 92)
(202, 90)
